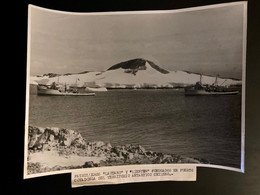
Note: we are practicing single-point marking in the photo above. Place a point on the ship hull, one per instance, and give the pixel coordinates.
(194, 92)
(54, 92)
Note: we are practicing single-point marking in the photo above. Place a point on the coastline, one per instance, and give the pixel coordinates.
(52, 149)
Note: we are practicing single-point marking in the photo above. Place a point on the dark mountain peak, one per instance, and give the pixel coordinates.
(130, 64)
(137, 64)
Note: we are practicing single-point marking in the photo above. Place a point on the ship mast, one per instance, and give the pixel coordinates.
(201, 79)
(216, 80)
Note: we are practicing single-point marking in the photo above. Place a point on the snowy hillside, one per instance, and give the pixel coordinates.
(136, 73)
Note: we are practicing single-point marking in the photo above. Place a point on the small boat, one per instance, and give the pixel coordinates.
(214, 89)
(53, 91)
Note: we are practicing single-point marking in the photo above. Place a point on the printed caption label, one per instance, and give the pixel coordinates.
(133, 173)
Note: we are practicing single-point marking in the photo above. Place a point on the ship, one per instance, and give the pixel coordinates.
(213, 89)
(56, 89)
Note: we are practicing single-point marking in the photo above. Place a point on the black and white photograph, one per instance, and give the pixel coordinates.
(135, 88)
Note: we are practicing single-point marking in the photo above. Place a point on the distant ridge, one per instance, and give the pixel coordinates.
(138, 63)
(136, 73)
(221, 77)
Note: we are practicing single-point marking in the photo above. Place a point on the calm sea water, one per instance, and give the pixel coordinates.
(160, 120)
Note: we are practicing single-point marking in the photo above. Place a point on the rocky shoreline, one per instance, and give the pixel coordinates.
(53, 149)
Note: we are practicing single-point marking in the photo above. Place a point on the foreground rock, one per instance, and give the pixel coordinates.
(51, 149)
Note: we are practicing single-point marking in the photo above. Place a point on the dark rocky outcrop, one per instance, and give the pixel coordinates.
(137, 64)
(41, 138)
(69, 142)
(50, 75)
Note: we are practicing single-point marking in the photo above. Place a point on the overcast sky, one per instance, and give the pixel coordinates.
(207, 41)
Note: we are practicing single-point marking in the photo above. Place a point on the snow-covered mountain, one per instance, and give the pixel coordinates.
(136, 73)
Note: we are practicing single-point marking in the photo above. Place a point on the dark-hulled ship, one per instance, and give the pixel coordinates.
(214, 89)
